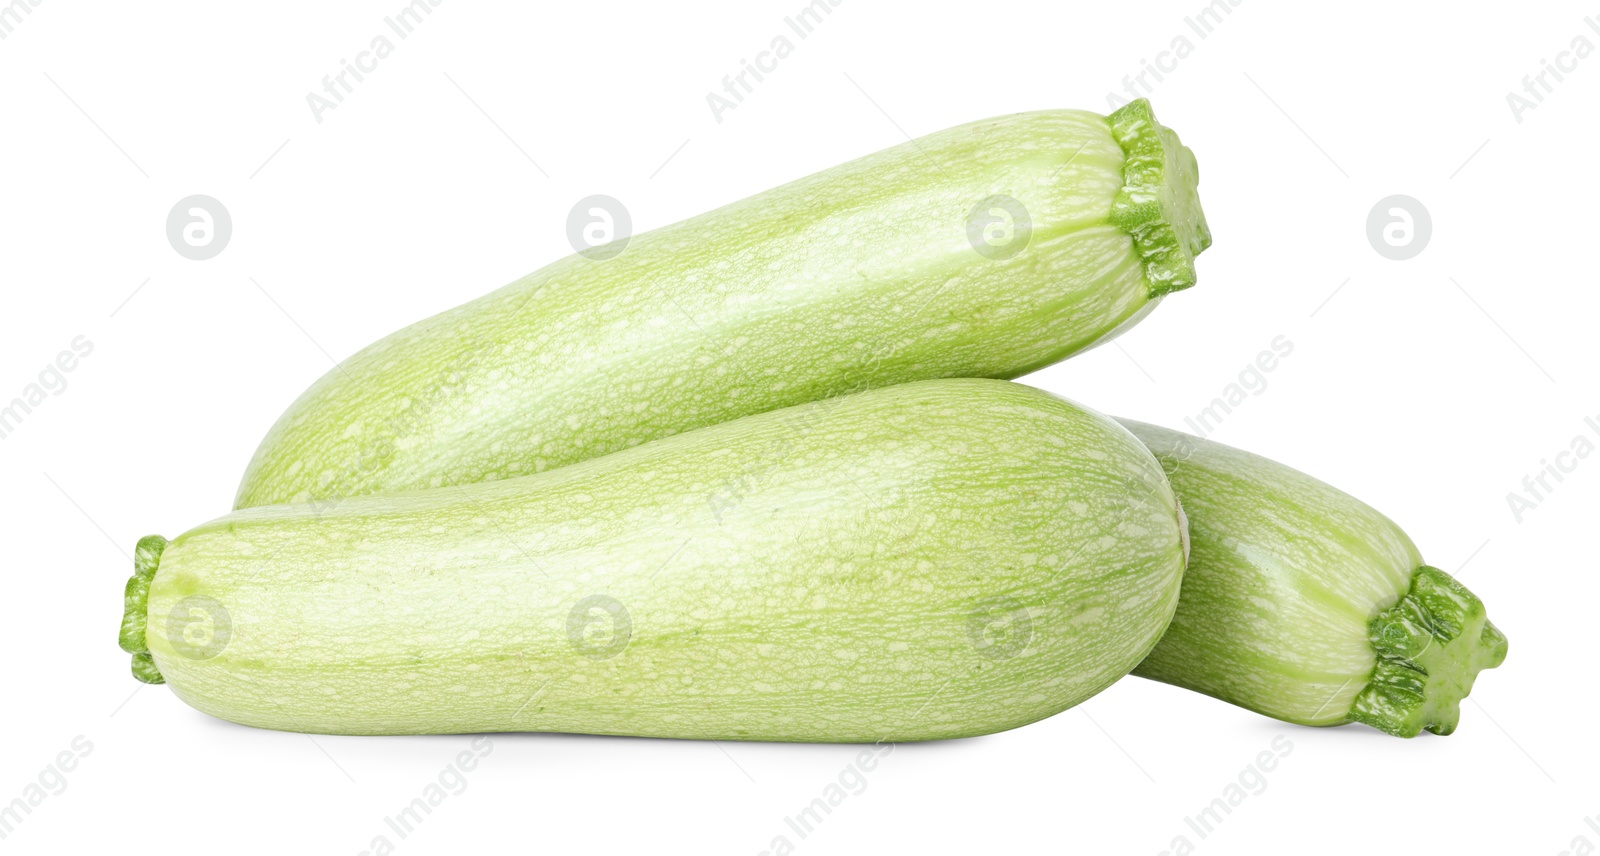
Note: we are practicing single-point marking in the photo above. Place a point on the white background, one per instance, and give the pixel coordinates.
(1428, 387)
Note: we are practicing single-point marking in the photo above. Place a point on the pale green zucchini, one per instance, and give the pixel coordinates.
(936, 559)
(986, 250)
(1303, 603)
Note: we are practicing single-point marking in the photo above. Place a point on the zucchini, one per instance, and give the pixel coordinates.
(1305, 604)
(936, 559)
(986, 250)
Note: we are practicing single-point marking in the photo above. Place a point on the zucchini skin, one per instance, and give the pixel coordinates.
(936, 559)
(1305, 604)
(864, 275)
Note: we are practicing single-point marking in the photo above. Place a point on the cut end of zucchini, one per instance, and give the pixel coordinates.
(1431, 646)
(1159, 203)
(135, 605)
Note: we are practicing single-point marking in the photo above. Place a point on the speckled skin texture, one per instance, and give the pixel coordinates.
(936, 559)
(857, 277)
(1285, 573)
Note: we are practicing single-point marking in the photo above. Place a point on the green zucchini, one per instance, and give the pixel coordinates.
(986, 250)
(1303, 603)
(936, 559)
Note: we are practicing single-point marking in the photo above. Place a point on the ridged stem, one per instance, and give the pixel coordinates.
(135, 606)
(1159, 203)
(1431, 646)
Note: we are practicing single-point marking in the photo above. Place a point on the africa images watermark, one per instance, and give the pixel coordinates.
(1584, 845)
(1251, 782)
(851, 781)
(1202, 24)
(51, 782)
(1252, 381)
(1539, 84)
(739, 84)
(1539, 485)
(450, 781)
(338, 85)
(14, 13)
(52, 381)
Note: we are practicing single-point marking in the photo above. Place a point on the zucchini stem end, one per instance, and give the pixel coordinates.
(1159, 203)
(1431, 645)
(135, 608)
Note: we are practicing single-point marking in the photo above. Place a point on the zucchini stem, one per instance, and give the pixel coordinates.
(135, 608)
(1159, 203)
(1431, 645)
